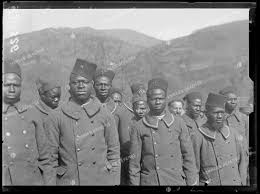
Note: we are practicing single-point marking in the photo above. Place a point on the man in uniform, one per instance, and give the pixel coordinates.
(49, 93)
(139, 101)
(218, 148)
(25, 146)
(192, 117)
(160, 144)
(103, 87)
(176, 107)
(235, 118)
(116, 95)
(83, 138)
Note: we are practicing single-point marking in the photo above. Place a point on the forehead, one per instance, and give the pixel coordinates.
(231, 95)
(116, 95)
(196, 101)
(157, 92)
(55, 91)
(79, 78)
(176, 104)
(11, 78)
(216, 109)
(140, 103)
(102, 79)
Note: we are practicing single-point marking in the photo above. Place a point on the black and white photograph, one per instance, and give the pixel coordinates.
(127, 97)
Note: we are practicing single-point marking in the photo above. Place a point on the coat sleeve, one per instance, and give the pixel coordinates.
(241, 158)
(43, 150)
(189, 164)
(113, 147)
(135, 153)
(51, 126)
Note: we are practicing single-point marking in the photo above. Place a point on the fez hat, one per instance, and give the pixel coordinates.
(227, 90)
(158, 83)
(216, 100)
(12, 67)
(84, 69)
(192, 96)
(139, 92)
(44, 84)
(104, 72)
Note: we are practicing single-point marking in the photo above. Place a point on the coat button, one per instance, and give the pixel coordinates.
(13, 155)
(156, 155)
(5, 118)
(26, 145)
(80, 163)
(24, 131)
(8, 133)
(93, 148)
(155, 143)
(153, 132)
(94, 162)
(157, 167)
(22, 117)
(78, 149)
(92, 121)
(171, 155)
(8, 147)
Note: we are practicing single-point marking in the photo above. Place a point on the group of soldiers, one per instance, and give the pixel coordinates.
(94, 138)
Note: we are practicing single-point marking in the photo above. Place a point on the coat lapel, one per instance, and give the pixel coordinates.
(152, 121)
(188, 121)
(204, 129)
(41, 106)
(71, 109)
(92, 107)
(225, 131)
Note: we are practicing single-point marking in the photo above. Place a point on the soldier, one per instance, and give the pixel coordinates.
(235, 118)
(116, 95)
(49, 92)
(161, 148)
(192, 117)
(83, 138)
(219, 152)
(176, 107)
(139, 101)
(103, 86)
(25, 147)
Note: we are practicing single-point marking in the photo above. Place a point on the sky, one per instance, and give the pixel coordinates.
(164, 24)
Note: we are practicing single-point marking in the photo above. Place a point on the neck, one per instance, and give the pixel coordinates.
(158, 113)
(11, 102)
(215, 127)
(229, 111)
(102, 99)
(80, 102)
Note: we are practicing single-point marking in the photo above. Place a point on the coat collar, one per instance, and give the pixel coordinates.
(236, 114)
(189, 121)
(152, 121)
(110, 104)
(18, 106)
(73, 110)
(41, 106)
(205, 130)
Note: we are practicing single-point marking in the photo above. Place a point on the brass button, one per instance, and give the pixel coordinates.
(93, 148)
(8, 147)
(153, 132)
(156, 155)
(155, 143)
(24, 131)
(78, 149)
(157, 167)
(94, 162)
(13, 155)
(6, 118)
(80, 163)
(26, 145)
(8, 133)
(92, 121)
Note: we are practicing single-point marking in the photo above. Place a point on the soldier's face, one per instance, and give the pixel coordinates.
(231, 103)
(117, 98)
(176, 108)
(215, 116)
(194, 108)
(80, 88)
(156, 100)
(102, 86)
(11, 88)
(140, 109)
(52, 97)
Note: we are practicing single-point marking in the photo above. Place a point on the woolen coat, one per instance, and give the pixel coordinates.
(84, 144)
(163, 153)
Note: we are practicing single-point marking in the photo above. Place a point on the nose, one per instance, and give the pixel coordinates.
(157, 101)
(219, 115)
(11, 89)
